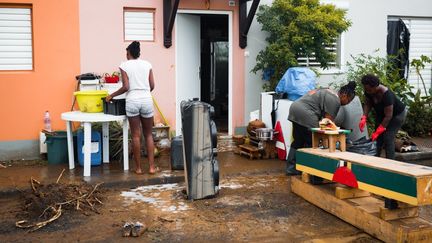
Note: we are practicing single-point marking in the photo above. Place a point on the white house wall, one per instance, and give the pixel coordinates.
(253, 82)
(367, 33)
(369, 26)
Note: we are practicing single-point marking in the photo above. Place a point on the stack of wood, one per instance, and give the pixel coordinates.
(255, 148)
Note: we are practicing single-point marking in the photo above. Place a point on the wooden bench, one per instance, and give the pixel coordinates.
(408, 183)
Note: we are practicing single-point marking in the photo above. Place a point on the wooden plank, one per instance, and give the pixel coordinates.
(375, 162)
(332, 143)
(249, 147)
(399, 230)
(315, 140)
(369, 204)
(424, 190)
(305, 177)
(399, 213)
(343, 192)
(339, 131)
(251, 151)
(309, 179)
(342, 142)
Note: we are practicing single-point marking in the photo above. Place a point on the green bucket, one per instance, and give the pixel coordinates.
(57, 147)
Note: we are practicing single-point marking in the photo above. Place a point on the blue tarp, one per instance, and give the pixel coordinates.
(296, 82)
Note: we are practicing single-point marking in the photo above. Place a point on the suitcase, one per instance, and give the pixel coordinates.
(199, 142)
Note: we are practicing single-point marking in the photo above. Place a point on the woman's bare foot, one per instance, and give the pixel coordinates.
(138, 171)
(154, 170)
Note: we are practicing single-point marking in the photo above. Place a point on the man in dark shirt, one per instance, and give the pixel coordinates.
(390, 114)
(306, 112)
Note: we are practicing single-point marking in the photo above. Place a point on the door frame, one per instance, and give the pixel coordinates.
(230, 59)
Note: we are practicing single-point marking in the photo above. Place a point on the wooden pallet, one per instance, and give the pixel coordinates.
(248, 150)
(364, 212)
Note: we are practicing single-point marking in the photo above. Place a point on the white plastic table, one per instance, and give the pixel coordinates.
(87, 119)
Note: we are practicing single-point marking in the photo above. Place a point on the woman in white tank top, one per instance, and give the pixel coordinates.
(138, 82)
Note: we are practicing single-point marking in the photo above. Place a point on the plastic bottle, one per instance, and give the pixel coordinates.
(47, 121)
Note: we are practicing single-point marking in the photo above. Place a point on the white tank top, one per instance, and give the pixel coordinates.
(138, 72)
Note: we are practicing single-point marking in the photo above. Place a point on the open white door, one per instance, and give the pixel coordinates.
(188, 61)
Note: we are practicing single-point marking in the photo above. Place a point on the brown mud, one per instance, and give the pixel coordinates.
(248, 208)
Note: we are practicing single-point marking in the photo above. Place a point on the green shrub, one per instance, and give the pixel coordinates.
(419, 117)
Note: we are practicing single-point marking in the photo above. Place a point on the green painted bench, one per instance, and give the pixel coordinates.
(404, 182)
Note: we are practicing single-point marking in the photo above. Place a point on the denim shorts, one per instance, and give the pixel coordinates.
(144, 108)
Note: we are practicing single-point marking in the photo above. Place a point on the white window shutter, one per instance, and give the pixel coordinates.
(420, 44)
(310, 61)
(138, 25)
(16, 51)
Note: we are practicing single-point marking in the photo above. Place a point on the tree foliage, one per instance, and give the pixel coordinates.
(297, 28)
(384, 69)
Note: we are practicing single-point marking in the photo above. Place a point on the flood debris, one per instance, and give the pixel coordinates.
(133, 229)
(165, 219)
(46, 203)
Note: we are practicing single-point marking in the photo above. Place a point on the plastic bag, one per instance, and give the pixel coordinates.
(362, 146)
(296, 82)
(164, 144)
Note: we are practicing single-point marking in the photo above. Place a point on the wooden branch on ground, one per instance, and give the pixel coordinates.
(58, 178)
(36, 226)
(67, 202)
(97, 200)
(32, 184)
(94, 189)
(83, 201)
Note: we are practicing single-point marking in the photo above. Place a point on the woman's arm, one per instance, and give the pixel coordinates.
(151, 80)
(388, 101)
(388, 114)
(367, 106)
(123, 89)
(328, 116)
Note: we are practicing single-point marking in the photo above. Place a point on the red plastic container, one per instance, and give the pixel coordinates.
(112, 79)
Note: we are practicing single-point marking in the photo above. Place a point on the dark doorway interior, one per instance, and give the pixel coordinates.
(214, 66)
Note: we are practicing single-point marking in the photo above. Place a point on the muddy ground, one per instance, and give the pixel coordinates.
(248, 208)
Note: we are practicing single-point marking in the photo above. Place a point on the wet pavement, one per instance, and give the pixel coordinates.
(255, 203)
(249, 208)
(17, 176)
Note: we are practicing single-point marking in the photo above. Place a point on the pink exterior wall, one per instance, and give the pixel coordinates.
(103, 48)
